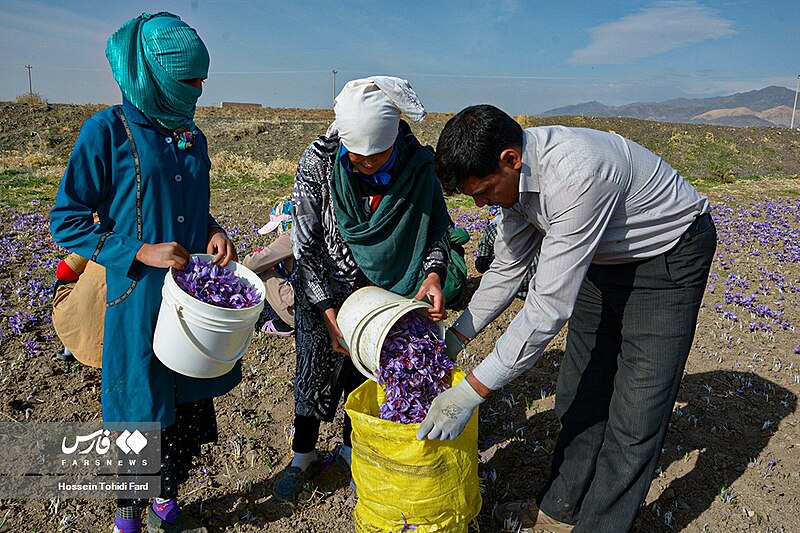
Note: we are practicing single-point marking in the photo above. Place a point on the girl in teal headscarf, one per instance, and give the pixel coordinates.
(151, 56)
(143, 167)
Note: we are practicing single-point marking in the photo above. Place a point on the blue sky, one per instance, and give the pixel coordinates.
(524, 56)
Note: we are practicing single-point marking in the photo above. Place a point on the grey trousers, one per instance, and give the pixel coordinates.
(629, 337)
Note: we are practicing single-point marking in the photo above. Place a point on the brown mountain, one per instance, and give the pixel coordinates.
(771, 106)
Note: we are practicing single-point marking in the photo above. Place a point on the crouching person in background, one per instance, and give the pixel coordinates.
(274, 264)
(143, 167)
(485, 253)
(79, 308)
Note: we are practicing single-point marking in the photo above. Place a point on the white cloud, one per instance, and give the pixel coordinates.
(49, 22)
(652, 31)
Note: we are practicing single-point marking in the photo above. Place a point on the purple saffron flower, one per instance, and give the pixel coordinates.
(413, 369)
(212, 284)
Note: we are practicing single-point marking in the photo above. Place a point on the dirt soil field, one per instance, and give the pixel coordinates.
(731, 461)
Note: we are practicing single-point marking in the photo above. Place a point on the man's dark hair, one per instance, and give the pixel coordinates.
(471, 143)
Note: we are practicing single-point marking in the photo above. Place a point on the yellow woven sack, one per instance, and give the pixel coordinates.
(403, 482)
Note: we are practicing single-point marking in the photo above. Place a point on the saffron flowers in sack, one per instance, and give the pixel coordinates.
(403, 483)
(421, 485)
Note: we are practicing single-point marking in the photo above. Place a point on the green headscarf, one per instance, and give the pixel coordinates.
(390, 246)
(149, 55)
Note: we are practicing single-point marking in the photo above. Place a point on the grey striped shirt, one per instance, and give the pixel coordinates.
(588, 196)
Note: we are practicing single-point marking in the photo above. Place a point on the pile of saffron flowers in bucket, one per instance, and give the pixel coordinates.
(413, 370)
(212, 284)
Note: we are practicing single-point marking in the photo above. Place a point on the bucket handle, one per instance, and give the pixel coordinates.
(182, 328)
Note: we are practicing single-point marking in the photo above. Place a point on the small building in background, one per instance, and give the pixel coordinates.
(238, 104)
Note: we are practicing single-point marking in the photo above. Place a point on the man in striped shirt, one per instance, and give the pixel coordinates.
(626, 248)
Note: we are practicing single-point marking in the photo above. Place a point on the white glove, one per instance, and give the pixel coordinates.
(452, 345)
(449, 413)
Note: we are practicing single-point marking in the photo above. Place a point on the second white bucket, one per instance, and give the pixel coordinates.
(365, 319)
(201, 340)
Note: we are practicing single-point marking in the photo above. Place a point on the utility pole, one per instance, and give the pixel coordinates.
(334, 85)
(794, 108)
(30, 85)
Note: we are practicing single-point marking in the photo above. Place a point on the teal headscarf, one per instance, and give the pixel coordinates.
(149, 55)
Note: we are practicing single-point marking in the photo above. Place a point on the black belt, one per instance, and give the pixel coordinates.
(700, 224)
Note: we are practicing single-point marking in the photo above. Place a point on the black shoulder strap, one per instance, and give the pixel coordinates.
(138, 199)
(138, 173)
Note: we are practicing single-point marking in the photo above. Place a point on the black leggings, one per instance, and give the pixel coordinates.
(195, 424)
(306, 428)
(306, 433)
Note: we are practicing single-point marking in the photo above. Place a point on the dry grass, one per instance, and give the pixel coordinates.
(43, 164)
(280, 166)
(237, 168)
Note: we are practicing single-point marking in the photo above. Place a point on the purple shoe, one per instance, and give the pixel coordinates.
(127, 525)
(276, 326)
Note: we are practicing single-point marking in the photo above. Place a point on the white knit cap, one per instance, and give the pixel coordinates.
(368, 112)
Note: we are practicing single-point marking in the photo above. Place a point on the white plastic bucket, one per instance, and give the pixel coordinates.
(365, 319)
(201, 340)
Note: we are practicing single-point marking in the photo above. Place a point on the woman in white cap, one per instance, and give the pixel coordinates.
(368, 210)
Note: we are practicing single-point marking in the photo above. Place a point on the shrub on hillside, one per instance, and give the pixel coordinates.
(30, 98)
(719, 172)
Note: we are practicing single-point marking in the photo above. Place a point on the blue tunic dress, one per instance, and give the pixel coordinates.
(166, 200)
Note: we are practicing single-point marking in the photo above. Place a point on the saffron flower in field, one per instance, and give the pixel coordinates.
(212, 284)
(413, 369)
